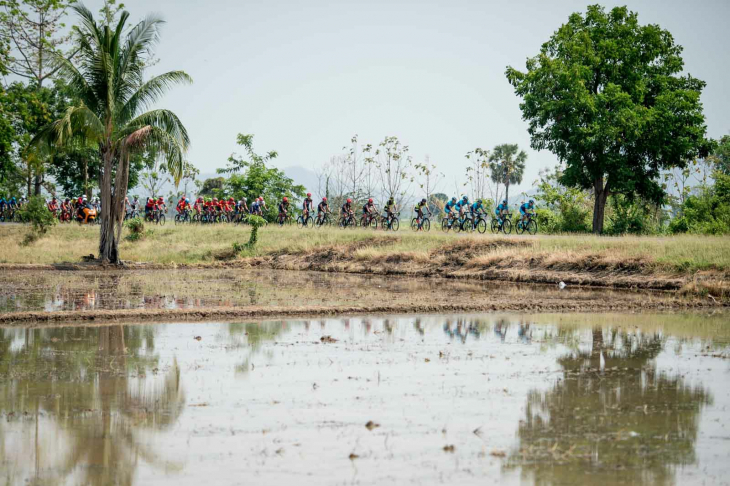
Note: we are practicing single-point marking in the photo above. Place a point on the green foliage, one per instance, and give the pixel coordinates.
(707, 212)
(569, 206)
(606, 96)
(38, 215)
(213, 187)
(721, 155)
(631, 216)
(255, 180)
(136, 229)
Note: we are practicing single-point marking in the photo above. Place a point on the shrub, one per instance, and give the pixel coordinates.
(136, 229)
(256, 222)
(38, 215)
(547, 220)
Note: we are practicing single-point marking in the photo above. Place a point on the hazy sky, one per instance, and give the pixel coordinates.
(305, 76)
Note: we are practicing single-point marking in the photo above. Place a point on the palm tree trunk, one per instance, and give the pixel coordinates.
(506, 191)
(107, 245)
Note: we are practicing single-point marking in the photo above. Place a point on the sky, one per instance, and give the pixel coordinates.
(305, 76)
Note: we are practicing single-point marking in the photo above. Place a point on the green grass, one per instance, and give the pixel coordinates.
(199, 244)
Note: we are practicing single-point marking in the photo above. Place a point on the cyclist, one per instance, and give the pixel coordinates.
(242, 206)
(502, 211)
(283, 210)
(2, 204)
(181, 206)
(198, 206)
(66, 206)
(476, 209)
(161, 205)
(526, 210)
(419, 211)
(148, 208)
(450, 208)
(262, 205)
(390, 209)
(347, 208)
(307, 206)
(322, 209)
(13, 204)
(462, 206)
(53, 206)
(369, 210)
(255, 206)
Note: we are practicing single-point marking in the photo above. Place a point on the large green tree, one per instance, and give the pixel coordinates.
(606, 95)
(507, 165)
(113, 96)
(721, 155)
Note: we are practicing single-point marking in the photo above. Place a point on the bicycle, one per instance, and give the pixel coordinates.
(285, 219)
(504, 225)
(347, 220)
(184, 217)
(421, 224)
(323, 220)
(390, 222)
(369, 220)
(530, 226)
(479, 224)
(305, 221)
(158, 217)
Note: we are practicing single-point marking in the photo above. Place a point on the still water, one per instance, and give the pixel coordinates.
(508, 399)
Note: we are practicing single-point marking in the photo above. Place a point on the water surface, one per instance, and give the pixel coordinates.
(548, 399)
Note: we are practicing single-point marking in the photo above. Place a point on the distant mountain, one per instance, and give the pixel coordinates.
(302, 175)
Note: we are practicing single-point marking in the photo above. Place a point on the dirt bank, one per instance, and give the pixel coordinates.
(502, 260)
(533, 305)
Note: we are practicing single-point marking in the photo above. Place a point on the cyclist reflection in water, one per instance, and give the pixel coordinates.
(524, 332)
(500, 328)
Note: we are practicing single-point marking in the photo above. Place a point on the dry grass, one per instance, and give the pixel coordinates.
(199, 244)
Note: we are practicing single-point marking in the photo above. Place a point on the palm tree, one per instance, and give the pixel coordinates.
(507, 165)
(108, 83)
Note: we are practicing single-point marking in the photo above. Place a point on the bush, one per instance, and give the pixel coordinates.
(707, 212)
(136, 229)
(547, 220)
(38, 215)
(256, 222)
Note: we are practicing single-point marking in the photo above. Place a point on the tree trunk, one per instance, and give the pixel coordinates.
(599, 205)
(37, 184)
(506, 191)
(87, 189)
(108, 247)
(29, 182)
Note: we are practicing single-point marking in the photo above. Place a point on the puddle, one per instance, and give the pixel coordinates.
(26, 291)
(545, 399)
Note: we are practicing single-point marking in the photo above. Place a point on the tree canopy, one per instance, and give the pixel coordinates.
(606, 96)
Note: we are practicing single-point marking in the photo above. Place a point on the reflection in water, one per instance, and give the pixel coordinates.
(613, 415)
(91, 391)
(276, 402)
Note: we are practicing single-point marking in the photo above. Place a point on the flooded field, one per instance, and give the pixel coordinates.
(50, 291)
(463, 399)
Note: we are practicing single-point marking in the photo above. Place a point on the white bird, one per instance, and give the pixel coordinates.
(561, 285)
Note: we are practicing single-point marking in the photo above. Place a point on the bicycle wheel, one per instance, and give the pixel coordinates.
(519, 228)
(495, 226)
(300, 222)
(161, 220)
(481, 226)
(374, 223)
(507, 227)
(177, 219)
(532, 226)
(395, 224)
(445, 227)
(414, 224)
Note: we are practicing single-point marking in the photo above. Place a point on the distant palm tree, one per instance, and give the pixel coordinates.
(112, 96)
(507, 165)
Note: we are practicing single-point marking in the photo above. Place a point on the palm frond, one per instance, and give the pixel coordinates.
(150, 92)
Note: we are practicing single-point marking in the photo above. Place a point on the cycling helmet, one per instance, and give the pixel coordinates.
(67, 200)
(187, 200)
(285, 199)
(465, 198)
(532, 202)
(423, 200)
(160, 199)
(370, 200)
(243, 199)
(349, 200)
(324, 199)
(504, 201)
(54, 198)
(309, 194)
(453, 199)
(215, 199)
(231, 199)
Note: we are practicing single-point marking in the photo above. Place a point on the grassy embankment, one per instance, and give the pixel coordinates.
(690, 262)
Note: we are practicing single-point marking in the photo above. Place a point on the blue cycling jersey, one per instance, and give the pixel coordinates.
(476, 206)
(500, 208)
(449, 206)
(525, 207)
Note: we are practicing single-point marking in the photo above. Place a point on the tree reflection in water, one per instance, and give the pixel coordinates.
(611, 417)
(78, 402)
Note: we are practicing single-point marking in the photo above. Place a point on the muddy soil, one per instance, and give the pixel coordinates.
(570, 399)
(226, 294)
